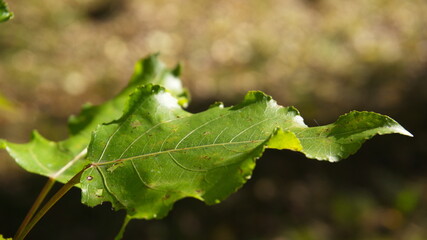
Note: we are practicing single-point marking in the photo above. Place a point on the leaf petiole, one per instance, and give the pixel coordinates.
(39, 200)
(119, 235)
(43, 193)
(55, 198)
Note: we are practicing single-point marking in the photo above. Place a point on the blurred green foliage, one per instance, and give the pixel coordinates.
(5, 14)
(324, 56)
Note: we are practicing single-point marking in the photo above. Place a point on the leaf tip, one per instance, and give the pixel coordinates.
(401, 130)
(35, 135)
(177, 70)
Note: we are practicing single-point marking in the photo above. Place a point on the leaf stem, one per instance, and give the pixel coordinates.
(119, 235)
(39, 200)
(43, 193)
(58, 195)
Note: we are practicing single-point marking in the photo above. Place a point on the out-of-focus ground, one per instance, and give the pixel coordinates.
(326, 57)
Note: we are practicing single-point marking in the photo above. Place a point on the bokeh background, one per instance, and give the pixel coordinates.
(326, 57)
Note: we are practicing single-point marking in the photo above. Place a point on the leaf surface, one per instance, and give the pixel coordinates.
(5, 14)
(339, 140)
(62, 160)
(157, 153)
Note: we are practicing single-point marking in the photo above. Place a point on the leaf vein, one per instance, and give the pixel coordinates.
(174, 150)
(108, 142)
(184, 167)
(191, 132)
(253, 125)
(140, 177)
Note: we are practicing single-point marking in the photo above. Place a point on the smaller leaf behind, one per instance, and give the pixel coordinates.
(5, 14)
(152, 71)
(62, 160)
(149, 70)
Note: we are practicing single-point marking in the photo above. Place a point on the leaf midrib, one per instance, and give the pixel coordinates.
(172, 151)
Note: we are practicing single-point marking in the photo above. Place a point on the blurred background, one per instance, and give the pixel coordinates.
(326, 57)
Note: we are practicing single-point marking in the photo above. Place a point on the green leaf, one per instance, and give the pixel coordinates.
(344, 137)
(5, 14)
(56, 160)
(62, 160)
(157, 153)
(147, 71)
(152, 71)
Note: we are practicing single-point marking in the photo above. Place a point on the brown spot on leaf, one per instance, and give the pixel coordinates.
(166, 197)
(135, 124)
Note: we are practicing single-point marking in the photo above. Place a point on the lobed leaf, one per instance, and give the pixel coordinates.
(157, 153)
(62, 160)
